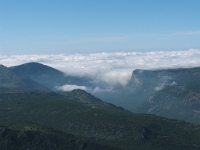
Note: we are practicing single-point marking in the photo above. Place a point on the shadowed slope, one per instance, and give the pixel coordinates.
(12, 81)
(49, 76)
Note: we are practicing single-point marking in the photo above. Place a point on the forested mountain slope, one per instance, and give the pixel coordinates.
(17, 135)
(96, 121)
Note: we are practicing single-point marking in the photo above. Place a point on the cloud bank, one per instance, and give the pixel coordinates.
(112, 68)
(69, 87)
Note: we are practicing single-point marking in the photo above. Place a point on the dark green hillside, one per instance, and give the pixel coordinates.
(99, 122)
(48, 76)
(11, 81)
(15, 135)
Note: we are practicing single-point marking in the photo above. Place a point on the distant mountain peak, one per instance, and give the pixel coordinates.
(2, 66)
(33, 64)
(48, 76)
(9, 80)
(33, 68)
(81, 95)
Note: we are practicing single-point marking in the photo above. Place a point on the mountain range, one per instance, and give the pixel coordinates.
(29, 93)
(172, 93)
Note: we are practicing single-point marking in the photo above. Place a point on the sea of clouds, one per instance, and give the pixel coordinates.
(112, 68)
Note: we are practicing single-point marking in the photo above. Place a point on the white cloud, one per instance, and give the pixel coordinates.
(112, 68)
(166, 81)
(160, 87)
(69, 87)
(97, 90)
(173, 83)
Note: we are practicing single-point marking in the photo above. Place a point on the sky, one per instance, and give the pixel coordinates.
(95, 26)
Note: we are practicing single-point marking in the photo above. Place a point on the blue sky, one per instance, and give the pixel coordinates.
(94, 26)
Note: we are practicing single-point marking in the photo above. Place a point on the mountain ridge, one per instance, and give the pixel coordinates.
(10, 80)
(42, 74)
(91, 119)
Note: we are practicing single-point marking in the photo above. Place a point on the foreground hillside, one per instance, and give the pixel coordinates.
(92, 120)
(17, 135)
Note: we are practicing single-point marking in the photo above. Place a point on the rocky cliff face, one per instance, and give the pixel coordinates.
(173, 93)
